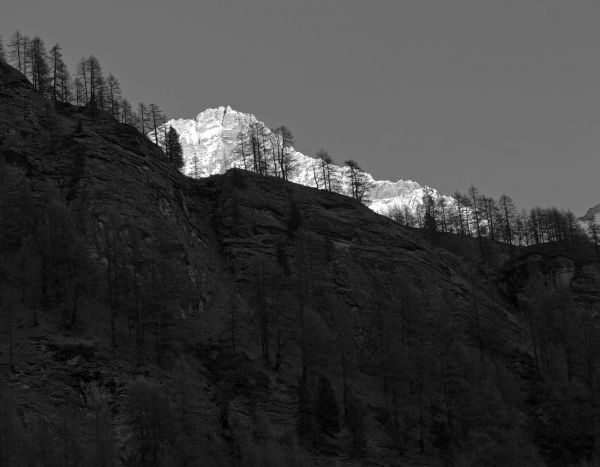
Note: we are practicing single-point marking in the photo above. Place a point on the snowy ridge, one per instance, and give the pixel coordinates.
(209, 142)
(592, 214)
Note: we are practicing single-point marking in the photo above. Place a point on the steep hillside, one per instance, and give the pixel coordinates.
(153, 319)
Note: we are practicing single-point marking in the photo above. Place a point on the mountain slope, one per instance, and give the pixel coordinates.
(244, 320)
(209, 143)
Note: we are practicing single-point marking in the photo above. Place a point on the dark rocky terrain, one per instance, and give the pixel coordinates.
(152, 319)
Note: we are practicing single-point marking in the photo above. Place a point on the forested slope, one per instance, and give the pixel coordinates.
(152, 319)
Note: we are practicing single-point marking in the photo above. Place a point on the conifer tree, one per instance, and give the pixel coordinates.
(173, 149)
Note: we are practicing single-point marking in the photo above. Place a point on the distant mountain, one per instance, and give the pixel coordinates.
(592, 213)
(209, 143)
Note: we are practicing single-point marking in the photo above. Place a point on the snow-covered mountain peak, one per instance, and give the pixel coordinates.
(209, 147)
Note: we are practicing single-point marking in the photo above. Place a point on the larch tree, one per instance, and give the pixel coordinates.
(26, 44)
(490, 209)
(16, 50)
(358, 182)
(59, 74)
(79, 88)
(283, 144)
(326, 170)
(155, 120)
(97, 84)
(461, 218)
(430, 218)
(242, 149)
(83, 80)
(143, 121)
(40, 71)
(508, 214)
(441, 206)
(126, 112)
(114, 96)
(475, 200)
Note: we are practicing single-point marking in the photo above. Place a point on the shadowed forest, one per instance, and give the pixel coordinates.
(151, 319)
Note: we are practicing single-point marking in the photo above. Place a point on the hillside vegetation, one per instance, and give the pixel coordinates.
(151, 319)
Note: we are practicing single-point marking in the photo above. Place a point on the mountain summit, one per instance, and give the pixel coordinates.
(209, 144)
(592, 213)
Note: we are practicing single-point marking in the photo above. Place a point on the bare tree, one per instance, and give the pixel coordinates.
(16, 51)
(284, 140)
(242, 149)
(155, 119)
(357, 180)
(82, 77)
(114, 95)
(327, 173)
(126, 112)
(40, 72)
(142, 123)
(97, 84)
(79, 92)
(508, 214)
(59, 75)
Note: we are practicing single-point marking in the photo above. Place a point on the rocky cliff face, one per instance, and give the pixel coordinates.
(237, 296)
(209, 143)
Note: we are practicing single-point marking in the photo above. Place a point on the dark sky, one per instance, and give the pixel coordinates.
(502, 94)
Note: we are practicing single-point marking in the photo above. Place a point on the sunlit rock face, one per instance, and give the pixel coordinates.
(592, 213)
(209, 141)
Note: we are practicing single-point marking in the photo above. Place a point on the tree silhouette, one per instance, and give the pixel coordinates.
(16, 50)
(40, 72)
(357, 180)
(173, 149)
(2, 52)
(114, 96)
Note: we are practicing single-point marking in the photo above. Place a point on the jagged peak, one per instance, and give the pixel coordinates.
(219, 113)
(209, 142)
